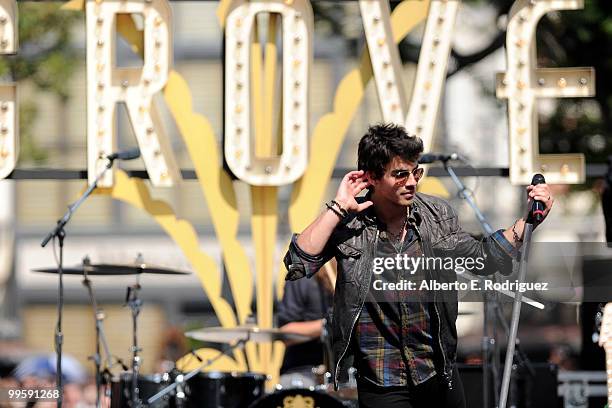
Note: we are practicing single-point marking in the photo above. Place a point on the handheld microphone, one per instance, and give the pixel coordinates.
(130, 154)
(537, 206)
(434, 157)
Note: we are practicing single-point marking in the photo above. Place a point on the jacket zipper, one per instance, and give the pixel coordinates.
(348, 344)
(444, 374)
(446, 377)
(344, 352)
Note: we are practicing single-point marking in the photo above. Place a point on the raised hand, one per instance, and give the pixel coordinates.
(351, 185)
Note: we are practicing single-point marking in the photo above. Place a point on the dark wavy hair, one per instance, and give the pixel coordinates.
(384, 141)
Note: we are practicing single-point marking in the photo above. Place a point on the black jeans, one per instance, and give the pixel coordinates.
(433, 393)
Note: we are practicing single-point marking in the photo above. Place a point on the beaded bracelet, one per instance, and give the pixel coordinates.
(338, 213)
(342, 210)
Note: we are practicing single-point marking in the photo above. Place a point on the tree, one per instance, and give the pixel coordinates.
(580, 38)
(45, 57)
(565, 39)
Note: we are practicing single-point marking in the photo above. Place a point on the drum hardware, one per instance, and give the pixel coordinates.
(180, 390)
(113, 270)
(185, 378)
(134, 303)
(121, 389)
(135, 390)
(59, 232)
(132, 300)
(327, 380)
(346, 391)
(250, 333)
(100, 336)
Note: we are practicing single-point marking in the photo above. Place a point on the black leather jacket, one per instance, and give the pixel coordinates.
(353, 244)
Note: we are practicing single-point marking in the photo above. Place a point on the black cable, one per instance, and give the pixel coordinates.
(472, 191)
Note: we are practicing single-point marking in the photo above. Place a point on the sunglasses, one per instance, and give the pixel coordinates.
(401, 176)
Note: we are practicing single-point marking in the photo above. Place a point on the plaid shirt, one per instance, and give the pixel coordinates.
(393, 339)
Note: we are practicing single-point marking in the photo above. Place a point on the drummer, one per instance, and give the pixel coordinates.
(303, 309)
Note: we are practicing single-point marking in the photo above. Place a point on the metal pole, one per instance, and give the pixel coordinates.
(516, 312)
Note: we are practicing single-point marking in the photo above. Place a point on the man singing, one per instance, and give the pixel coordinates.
(404, 349)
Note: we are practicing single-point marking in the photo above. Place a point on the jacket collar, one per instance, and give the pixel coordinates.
(369, 215)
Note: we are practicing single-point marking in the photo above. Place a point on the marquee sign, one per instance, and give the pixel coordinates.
(253, 123)
(523, 82)
(9, 140)
(107, 84)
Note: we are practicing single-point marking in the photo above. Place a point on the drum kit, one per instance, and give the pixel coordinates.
(196, 388)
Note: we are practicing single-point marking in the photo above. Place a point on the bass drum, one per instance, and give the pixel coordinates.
(297, 397)
(224, 390)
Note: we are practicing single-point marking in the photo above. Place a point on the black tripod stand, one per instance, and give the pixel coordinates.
(59, 232)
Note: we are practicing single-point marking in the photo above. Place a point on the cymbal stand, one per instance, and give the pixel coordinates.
(134, 303)
(100, 337)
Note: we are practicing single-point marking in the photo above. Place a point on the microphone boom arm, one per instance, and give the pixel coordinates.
(61, 223)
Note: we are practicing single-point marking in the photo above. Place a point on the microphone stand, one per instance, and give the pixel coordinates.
(489, 344)
(463, 194)
(59, 232)
(516, 312)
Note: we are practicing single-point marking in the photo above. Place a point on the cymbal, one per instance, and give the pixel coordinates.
(249, 333)
(113, 269)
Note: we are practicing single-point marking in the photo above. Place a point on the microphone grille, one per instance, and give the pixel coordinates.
(538, 179)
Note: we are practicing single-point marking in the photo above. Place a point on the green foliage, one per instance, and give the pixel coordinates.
(28, 149)
(45, 57)
(576, 39)
(45, 54)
